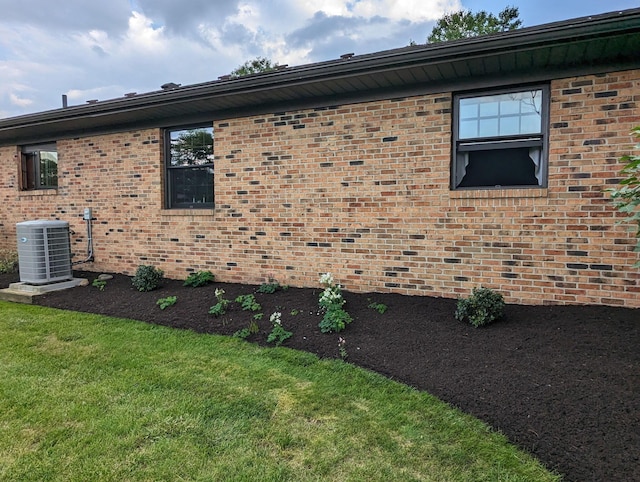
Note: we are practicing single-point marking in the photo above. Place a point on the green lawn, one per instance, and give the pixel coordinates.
(86, 397)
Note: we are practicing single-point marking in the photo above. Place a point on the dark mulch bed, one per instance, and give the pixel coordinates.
(562, 382)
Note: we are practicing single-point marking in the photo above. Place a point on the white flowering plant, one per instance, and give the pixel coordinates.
(331, 301)
(278, 333)
(220, 308)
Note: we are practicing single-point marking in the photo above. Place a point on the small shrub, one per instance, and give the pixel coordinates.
(200, 278)
(99, 283)
(147, 278)
(8, 261)
(482, 307)
(166, 302)
(248, 303)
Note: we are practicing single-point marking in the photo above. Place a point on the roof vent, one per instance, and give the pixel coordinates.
(224, 77)
(282, 67)
(130, 94)
(92, 101)
(169, 86)
(347, 56)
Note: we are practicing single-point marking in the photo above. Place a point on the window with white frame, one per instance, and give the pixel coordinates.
(189, 167)
(39, 167)
(500, 138)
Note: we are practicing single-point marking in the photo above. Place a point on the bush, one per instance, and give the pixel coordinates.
(482, 307)
(200, 278)
(8, 261)
(147, 278)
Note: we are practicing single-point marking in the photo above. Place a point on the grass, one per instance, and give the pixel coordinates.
(87, 397)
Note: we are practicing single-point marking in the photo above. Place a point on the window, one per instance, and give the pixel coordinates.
(500, 139)
(39, 167)
(189, 167)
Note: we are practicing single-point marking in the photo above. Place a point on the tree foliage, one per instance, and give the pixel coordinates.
(626, 198)
(465, 24)
(257, 65)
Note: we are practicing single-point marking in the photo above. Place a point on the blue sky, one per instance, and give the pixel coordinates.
(104, 49)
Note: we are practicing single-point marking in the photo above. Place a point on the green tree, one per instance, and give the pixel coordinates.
(626, 198)
(464, 24)
(259, 64)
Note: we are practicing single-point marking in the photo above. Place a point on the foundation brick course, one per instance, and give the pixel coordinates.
(361, 191)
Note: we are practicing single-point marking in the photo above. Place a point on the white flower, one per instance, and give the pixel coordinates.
(326, 279)
(331, 295)
(219, 292)
(275, 318)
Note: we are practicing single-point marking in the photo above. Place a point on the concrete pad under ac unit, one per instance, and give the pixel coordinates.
(24, 293)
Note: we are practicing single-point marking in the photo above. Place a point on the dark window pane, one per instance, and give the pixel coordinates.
(28, 170)
(191, 186)
(39, 166)
(501, 167)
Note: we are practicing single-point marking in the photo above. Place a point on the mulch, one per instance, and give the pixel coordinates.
(561, 382)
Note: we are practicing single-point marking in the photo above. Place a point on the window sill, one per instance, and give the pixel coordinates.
(38, 192)
(499, 193)
(187, 212)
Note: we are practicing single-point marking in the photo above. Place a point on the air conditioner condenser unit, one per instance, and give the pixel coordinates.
(44, 251)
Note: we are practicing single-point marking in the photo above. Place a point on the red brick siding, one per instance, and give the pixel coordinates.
(362, 191)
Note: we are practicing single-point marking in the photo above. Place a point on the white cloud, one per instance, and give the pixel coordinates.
(396, 10)
(412, 10)
(142, 36)
(20, 101)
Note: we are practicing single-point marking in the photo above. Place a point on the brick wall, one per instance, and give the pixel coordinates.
(362, 191)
